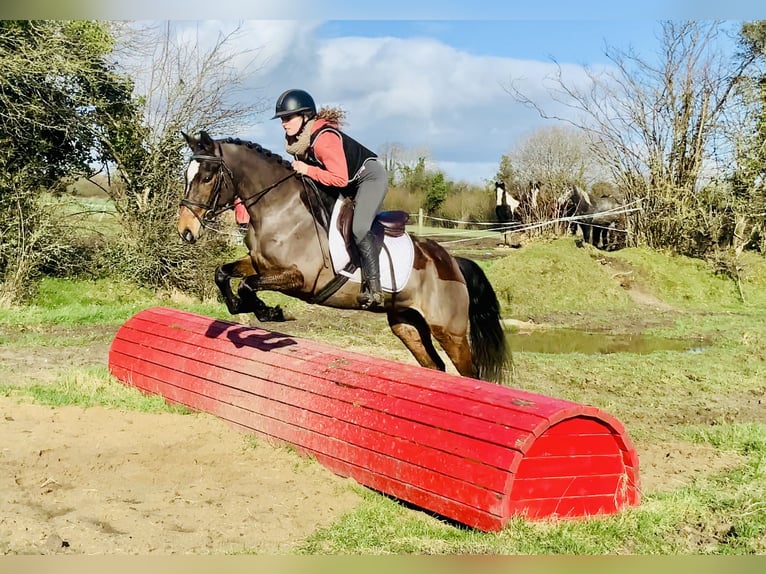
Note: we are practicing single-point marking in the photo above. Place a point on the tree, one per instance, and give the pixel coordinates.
(748, 180)
(655, 126)
(59, 97)
(552, 158)
(391, 155)
(436, 193)
(554, 155)
(184, 84)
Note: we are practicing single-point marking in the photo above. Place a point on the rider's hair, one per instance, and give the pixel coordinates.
(333, 115)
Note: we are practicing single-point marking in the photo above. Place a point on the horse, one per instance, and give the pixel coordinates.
(598, 217)
(506, 210)
(294, 227)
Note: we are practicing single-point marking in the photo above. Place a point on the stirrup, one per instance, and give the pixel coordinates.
(368, 299)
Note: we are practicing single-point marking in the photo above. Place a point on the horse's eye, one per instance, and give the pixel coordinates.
(207, 178)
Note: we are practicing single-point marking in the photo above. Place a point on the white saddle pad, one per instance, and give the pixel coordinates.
(396, 257)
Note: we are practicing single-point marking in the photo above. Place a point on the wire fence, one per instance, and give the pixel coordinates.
(493, 228)
(490, 228)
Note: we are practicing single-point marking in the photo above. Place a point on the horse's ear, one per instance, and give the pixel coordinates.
(201, 143)
(205, 140)
(190, 141)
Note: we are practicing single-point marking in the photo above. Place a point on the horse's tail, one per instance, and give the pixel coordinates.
(490, 351)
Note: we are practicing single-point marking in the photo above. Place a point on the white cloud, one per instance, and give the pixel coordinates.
(416, 92)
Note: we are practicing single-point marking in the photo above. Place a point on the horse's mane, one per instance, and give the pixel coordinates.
(326, 197)
(267, 153)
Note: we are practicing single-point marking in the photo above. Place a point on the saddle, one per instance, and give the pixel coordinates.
(387, 223)
(397, 253)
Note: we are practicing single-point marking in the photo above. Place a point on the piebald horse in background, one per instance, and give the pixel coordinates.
(506, 210)
(290, 241)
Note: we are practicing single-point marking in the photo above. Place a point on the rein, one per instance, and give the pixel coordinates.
(212, 210)
(257, 196)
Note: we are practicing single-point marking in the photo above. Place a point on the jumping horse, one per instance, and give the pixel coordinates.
(293, 224)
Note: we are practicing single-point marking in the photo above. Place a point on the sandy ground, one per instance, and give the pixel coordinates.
(101, 481)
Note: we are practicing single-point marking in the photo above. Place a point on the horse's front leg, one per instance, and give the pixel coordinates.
(586, 232)
(246, 302)
(282, 280)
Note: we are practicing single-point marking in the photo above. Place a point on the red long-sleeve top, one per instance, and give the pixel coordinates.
(328, 149)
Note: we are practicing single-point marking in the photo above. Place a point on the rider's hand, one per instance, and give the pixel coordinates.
(301, 167)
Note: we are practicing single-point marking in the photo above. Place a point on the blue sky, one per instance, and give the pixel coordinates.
(429, 76)
(437, 88)
(576, 41)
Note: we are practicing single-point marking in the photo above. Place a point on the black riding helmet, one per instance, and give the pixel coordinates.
(294, 102)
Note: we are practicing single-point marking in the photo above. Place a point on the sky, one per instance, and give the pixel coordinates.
(429, 76)
(435, 87)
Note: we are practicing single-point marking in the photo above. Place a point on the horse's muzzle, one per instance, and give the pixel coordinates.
(188, 236)
(189, 225)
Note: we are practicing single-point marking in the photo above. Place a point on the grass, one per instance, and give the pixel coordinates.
(551, 277)
(89, 387)
(711, 399)
(689, 283)
(79, 303)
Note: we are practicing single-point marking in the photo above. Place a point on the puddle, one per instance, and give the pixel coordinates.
(574, 341)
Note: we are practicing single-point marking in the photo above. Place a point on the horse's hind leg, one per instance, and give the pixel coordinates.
(458, 349)
(413, 331)
(598, 235)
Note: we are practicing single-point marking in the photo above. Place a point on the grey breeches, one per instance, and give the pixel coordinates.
(371, 191)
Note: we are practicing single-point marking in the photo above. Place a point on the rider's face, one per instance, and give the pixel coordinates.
(292, 124)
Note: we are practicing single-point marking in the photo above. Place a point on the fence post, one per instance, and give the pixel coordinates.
(420, 221)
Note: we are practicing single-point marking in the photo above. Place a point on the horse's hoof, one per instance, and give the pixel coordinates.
(276, 314)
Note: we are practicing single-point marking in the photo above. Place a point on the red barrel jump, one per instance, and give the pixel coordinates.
(471, 451)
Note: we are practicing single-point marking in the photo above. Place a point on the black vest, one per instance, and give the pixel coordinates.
(356, 154)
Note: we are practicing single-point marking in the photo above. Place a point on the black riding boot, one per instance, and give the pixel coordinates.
(371, 293)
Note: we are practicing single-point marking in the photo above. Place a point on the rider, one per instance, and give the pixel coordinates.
(333, 159)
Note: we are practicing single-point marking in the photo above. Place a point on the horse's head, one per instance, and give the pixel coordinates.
(580, 195)
(570, 194)
(209, 187)
(533, 192)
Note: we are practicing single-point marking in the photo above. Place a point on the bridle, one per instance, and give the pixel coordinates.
(212, 209)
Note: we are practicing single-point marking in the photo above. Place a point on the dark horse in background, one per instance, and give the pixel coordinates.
(444, 297)
(601, 218)
(515, 208)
